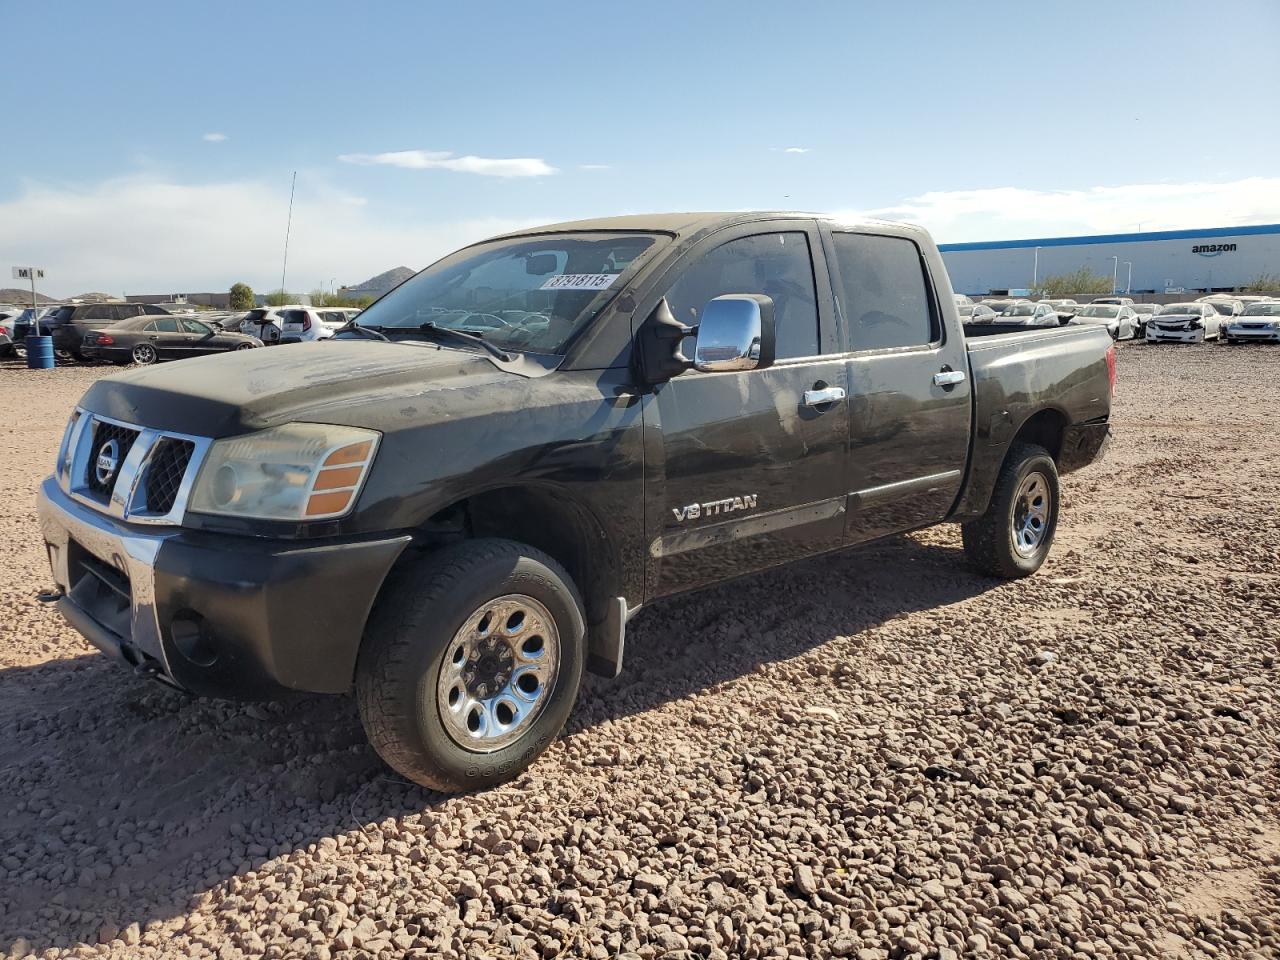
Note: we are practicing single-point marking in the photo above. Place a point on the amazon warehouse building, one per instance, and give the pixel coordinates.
(1170, 262)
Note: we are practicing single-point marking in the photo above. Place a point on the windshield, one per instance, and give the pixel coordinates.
(1098, 310)
(1185, 309)
(525, 294)
(1144, 308)
(1262, 310)
(1020, 310)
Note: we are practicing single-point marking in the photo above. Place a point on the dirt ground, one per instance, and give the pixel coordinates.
(877, 755)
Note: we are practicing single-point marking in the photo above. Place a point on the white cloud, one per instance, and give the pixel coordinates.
(214, 137)
(149, 235)
(444, 160)
(1004, 213)
(796, 150)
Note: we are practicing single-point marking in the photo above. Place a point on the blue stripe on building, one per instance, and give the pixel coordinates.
(1263, 229)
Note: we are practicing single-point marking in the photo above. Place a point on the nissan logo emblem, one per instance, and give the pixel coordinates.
(104, 467)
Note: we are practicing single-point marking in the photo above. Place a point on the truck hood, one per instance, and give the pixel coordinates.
(247, 390)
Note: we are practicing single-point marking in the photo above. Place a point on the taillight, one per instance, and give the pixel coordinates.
(1111, 367)
(4, 331)
(306, 321)
(105, 340)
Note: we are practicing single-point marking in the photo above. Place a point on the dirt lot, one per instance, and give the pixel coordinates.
(879, 755)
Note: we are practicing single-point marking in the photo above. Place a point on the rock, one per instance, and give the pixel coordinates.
(650, 882)
(803, 880)
(20, 948)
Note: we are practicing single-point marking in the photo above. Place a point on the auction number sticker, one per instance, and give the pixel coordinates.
(579, 281)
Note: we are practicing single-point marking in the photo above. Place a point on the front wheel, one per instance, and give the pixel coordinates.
(1012, 539)
(245, 346)
(470, 663)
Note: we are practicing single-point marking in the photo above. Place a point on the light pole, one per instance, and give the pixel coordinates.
(1115, 273)
(1128, 284)
(1035, 271)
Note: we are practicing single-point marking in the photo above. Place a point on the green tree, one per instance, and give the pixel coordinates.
(1061, 285)
(278, 298)
(241, 296)
(1264, 283)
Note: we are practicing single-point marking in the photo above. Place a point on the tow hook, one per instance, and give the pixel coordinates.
(50, 596)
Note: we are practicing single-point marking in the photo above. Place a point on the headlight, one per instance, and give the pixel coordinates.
(1274, 324)
(301, 471)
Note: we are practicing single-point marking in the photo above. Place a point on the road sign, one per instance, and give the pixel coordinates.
(28, 273)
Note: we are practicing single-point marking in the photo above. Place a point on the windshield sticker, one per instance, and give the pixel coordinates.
(580, 281)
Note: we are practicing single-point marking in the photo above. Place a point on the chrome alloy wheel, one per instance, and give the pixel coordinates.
(144, 353)
(498, 673)
(1031, 508)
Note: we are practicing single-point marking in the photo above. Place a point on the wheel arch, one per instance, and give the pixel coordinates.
(542, 515)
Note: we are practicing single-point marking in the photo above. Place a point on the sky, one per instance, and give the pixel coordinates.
(151, 145)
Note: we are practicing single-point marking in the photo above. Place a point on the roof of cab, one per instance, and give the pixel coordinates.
(685, 224)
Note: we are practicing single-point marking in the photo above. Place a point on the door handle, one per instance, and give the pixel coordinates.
(820, 398)
(948, 378)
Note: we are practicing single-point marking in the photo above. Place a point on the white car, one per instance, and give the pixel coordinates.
(962, 300)
(300, 323)
(1118, 301)
(1260, 321)
(1145, 312)
(1120, 319)
(1227, 306)
(263, 323)
(1184, 323)
(1024, 313)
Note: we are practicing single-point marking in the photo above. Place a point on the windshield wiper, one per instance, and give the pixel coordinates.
(475, 338)
(352, 326)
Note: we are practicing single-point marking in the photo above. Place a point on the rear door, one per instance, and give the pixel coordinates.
(170, 341)
(909, 409)
(752, 475)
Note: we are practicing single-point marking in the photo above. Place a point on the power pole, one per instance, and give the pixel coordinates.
(288, 226)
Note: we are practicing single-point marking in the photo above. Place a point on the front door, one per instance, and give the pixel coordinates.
(908, 383)
(752, 471)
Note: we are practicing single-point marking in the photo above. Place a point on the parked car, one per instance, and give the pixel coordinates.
(1244, 298)
(146, 339)
(457, 532)
(1226, 306)
(1184, 323)
(1063, 305)
(962, 299)
(21, 327)
(1119, 319)
(1117, 301)
(70, 324)
(1260, 321)
(1024, 313)
(998, 304)
(263, 323)
(1144, 312)
(304, 324)
(6, 338)
(976, 313)
(339, 316)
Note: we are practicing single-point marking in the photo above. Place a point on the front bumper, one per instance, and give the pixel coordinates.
(214, 614)
(1156, 335)
(1263, 334)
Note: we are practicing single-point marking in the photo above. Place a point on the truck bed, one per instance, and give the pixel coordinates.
(1058, 374)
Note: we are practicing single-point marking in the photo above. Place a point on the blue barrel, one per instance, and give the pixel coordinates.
(39, 353)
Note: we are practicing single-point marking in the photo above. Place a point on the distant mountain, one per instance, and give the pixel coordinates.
(19, 297)
(377, 286)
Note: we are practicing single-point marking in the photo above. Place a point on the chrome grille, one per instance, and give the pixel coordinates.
(104, 432)
(154, 470)
(165, 470)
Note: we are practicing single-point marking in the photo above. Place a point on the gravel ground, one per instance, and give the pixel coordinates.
(879, 755)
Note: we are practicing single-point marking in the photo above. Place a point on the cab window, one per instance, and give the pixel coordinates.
(778, 265)
(883, 292)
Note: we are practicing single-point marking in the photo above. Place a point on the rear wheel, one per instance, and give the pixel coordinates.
(1012, 539)
(144, 353)
(470, 663)
(20, 350)
(245, 346)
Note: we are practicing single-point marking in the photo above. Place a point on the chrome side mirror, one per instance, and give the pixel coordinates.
(735, 332)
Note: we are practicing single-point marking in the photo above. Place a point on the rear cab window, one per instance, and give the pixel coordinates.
(883, 292)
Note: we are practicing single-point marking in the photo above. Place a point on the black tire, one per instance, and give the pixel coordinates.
(989, 540)
(20, 351)
(422, 607)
